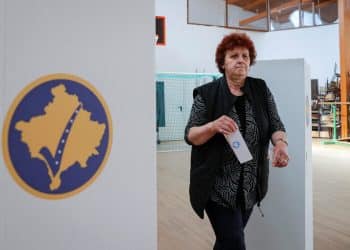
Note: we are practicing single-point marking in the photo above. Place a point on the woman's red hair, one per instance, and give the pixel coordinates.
(230, 42)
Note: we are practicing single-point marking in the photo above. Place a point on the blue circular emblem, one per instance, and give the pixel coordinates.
(57, 136)
(235, 144)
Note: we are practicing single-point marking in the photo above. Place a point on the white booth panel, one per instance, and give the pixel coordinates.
(287, 207)
(110, 44)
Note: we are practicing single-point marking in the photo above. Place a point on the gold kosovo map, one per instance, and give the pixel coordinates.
(59, 136)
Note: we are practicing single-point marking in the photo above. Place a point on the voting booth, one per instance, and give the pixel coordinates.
(77, 165)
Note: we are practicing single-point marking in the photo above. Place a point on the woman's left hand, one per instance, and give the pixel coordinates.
(280, 155)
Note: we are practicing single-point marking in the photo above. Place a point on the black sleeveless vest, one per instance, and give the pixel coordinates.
(206, 159)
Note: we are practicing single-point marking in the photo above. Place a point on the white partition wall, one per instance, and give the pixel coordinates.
(287, 208)
(110, 44)
(2, 52)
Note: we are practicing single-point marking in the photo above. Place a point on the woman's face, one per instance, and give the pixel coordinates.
(237, 62)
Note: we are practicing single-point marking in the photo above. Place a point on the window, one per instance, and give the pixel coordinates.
(284, 14)
(262, 15)
(247, 14)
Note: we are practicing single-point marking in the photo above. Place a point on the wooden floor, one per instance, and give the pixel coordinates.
(331, 184)
(179, 228)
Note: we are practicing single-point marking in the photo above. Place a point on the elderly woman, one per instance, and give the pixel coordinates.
(219, 184)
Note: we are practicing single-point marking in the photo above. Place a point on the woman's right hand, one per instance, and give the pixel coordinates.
(201, 134)
(224, 125)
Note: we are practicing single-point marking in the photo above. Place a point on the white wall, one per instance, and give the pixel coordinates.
(319, 47)
(191, 47)
(2, 52)
(2, 77)
(110, 44)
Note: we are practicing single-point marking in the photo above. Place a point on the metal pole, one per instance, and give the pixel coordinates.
(334, 111)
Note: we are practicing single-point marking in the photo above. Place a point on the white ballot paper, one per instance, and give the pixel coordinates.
(239, 146)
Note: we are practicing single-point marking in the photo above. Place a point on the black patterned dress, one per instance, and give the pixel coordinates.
(235, 184)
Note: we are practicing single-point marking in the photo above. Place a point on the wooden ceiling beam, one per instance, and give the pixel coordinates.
(252, 5)
(320, 5)
(253, 18)
(326, 3)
